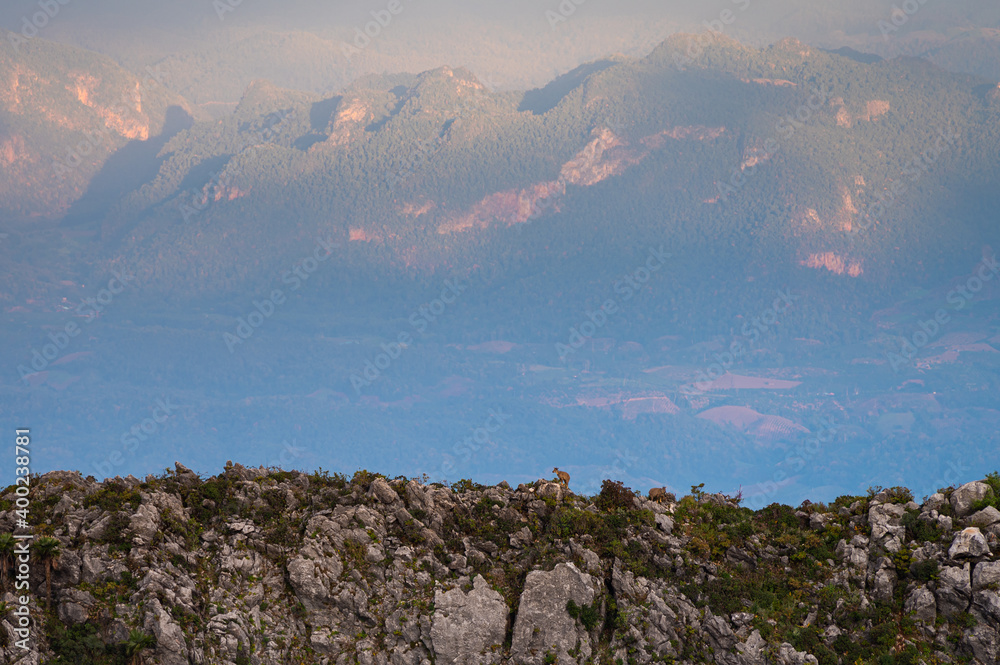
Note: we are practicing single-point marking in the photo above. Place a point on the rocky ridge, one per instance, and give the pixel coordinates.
(258, 566)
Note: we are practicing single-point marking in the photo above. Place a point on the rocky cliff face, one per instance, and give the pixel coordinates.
(266, 567)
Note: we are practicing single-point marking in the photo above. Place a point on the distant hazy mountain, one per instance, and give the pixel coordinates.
(787, 151)
(63, 112)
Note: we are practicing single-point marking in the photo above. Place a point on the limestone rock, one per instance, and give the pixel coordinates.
(666, 524)
(954, 590)
(351, 570)
(968, 543)
(592, 562)
(984, 642)
(550, 490)
(986, 605)
(923, 605)
(886, 521)
(787, 655)
(75, 606)
(469, 629)
(171, 648)
(966, 495)
(934, 502)
(986, 574)
(313, 577)
(543, 625)
(383, 491)
(885, 581)
(145, 523)
(985, 517)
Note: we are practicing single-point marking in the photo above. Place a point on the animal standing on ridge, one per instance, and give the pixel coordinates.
(563, 476)
(658, 494)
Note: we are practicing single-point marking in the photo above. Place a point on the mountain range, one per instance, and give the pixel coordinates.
(319, 229)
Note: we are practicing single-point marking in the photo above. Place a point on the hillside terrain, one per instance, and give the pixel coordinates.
(264, 566)
(64, 112)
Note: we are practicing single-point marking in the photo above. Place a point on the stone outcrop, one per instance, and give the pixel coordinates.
(263, 568)
(965, 496)
(543, 625)
(469, 628)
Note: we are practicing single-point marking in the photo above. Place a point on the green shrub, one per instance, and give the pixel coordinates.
(80, 645)
(845, 501)
(848, 648)
(993, 480)
(809, 639)
(356, 554)
(762, 589)
(115, 534)
(466, 485)
(589, 615)
(189, 530)
(364, 478)
(322, 478)
(920, 530)
(615, 495)
(776, 519)
(925, 571)
(964, 620)
(220, 492)
(896, 494)
(112, 497)
(900, 495)
(285, 531)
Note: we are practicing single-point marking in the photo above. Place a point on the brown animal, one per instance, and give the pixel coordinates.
(563, 476)
(658, 494)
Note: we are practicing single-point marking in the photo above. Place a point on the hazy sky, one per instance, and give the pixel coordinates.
(754, 19)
